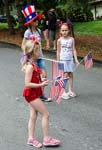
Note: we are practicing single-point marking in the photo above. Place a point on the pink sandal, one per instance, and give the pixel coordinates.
(51, 142)
(35, 143)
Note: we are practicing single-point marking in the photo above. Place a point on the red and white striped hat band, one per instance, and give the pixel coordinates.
(28, 10)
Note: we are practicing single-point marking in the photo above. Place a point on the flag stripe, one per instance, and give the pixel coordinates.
(58, 100)
(88, 62)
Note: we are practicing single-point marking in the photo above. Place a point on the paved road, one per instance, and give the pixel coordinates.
(76, 122)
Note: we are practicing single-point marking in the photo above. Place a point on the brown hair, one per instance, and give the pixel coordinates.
(65, 24)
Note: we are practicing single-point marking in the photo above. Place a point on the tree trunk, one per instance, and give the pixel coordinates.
(19, 5)
(10, 25)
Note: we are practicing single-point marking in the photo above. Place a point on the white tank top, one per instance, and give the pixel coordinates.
(66, 52)
(31, 35)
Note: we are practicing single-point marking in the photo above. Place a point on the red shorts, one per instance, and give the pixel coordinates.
(31, 94)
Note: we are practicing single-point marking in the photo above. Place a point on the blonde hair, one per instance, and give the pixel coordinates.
(31, 47)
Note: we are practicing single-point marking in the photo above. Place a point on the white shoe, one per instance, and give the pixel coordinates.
(65, 96)
(71, 94)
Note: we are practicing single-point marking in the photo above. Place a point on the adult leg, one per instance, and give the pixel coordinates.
(46, 37)
(53, 34)
(52, 37)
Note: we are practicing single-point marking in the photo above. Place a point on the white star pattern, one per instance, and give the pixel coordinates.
(30, 17)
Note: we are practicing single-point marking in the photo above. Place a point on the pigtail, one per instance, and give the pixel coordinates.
(24, 61)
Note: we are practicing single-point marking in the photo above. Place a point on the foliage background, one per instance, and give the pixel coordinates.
(77, 10)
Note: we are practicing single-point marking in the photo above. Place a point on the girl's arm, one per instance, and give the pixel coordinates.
(58, 49)
(75, 53)
(28, 77)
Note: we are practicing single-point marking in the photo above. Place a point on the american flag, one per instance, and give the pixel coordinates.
(57, 69)
(62, 90)
(55, 88)
(59, 81)
(58, 99)
(58, 88)
(88, 62)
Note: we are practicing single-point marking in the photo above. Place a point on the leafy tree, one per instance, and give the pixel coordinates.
(78, 10)
(6, 4)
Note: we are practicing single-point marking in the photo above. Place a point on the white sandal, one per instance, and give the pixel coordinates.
(72, 94)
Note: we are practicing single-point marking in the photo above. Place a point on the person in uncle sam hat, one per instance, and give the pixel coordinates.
(32, 33)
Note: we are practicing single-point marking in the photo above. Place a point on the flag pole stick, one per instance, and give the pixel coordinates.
(50, 59)
(60, 61)
(56, 79)
(79, 64)
(82, 60)
(84, 57)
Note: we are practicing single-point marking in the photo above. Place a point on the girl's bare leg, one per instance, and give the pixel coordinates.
(54, 44)
(39, 106)
(70, 82)
(32, 122)
(65, 76)
(43, 77)
(44, 74)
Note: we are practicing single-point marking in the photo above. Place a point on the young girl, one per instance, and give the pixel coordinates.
(65, 52)
(32, 93)
(33, 32)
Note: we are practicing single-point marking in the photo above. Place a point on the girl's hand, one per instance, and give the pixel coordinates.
(77, 63)
(45, 83)
(43, 79)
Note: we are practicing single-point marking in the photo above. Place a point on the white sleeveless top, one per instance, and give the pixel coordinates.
(30, 35)
(66, 52)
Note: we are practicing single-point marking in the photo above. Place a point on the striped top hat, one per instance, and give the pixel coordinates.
(30, 14)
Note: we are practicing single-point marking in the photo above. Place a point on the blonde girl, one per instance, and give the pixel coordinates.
(32, 92)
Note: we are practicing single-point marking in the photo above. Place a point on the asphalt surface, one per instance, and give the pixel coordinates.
(76, 122)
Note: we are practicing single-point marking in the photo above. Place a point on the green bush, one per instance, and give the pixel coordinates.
(79, 15)
(77, 12)
(99, 18)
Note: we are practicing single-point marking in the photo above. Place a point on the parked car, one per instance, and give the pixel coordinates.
(3, 19)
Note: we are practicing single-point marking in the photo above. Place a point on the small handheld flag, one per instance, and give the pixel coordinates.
(88, 62)
(62, 85)
(58, 88)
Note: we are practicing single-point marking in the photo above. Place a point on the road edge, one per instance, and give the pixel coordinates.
(46, 51)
